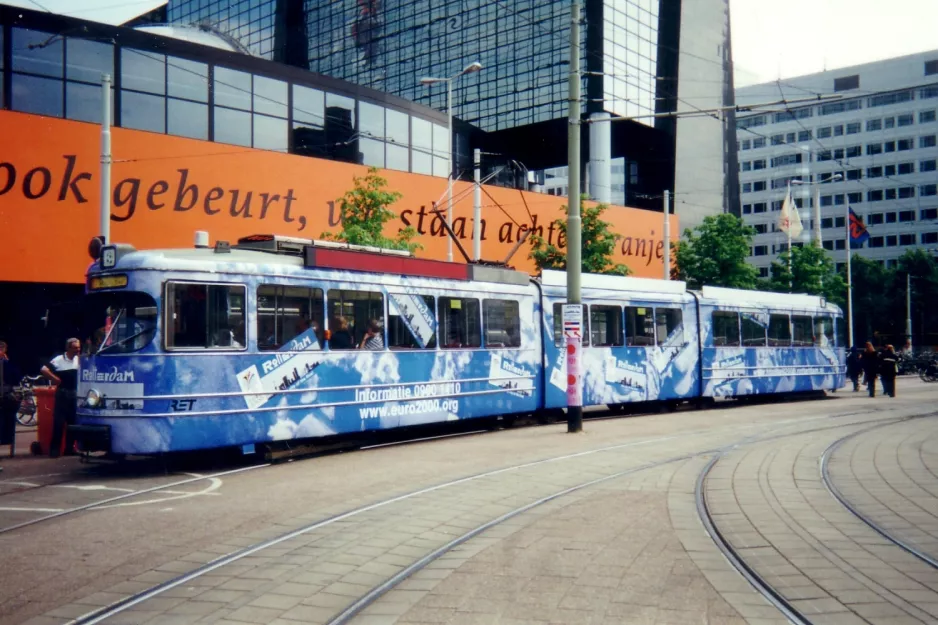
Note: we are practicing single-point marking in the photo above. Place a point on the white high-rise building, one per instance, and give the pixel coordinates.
(873, 146)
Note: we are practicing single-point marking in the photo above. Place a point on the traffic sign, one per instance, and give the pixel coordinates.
(573, 321)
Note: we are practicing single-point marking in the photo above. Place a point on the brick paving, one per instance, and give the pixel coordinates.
(628, 550)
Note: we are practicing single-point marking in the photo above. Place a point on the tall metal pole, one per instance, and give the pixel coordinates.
(477, 205)
(908, 306)
(667, 235)
(849, 280)
(105, 208)
(449, 168)
(818, 238)
(574, 227)
(791, 208)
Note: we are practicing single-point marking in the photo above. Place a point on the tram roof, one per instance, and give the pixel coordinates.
(742, 297)
(616, 283)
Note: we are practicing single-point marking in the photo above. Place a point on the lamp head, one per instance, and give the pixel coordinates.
(472, 67)
(426, 80)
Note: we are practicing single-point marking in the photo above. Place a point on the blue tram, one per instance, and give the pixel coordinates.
(274, 340)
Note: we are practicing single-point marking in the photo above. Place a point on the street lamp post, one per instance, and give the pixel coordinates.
(472, 67)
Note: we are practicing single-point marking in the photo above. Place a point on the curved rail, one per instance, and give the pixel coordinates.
(835, 492)
(757, 582)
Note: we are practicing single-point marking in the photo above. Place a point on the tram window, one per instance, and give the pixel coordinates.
(459, 323)
(606, 326)
(639, 326)
(284, 313)
(824, 331)
(802, 331)
(350, 314)
(118, 322)
(411, 321)
(670, 322)
(725, 328)
(501, 322)
(842, 333)
(753, 332)
(205, 316)
(779, 331)
(558, 327)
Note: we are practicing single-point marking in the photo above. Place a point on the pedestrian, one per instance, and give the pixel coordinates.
(9, 405)
(854, 369)
(63, 371)
(870, 363)
(888, 369)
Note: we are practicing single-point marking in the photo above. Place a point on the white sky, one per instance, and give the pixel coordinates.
(771, 38)
(782, 39)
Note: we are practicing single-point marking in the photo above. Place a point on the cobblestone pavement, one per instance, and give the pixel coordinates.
(629, 549)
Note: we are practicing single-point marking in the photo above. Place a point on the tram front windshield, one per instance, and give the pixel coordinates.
(118, 323)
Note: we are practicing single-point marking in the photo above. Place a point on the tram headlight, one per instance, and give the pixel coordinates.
(93, 398)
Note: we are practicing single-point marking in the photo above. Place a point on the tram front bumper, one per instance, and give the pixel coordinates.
(92, 437)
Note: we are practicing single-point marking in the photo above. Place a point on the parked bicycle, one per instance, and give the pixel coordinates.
(26, 414)
(930, 372)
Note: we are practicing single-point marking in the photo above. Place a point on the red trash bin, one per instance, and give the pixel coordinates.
(45, 410)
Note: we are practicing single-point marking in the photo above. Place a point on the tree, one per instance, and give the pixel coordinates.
(598, 244)
(870, 281)
(364, 211)
(812, 271)
(715, 253)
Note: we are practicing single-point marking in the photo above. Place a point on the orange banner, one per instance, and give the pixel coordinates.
(165, 188)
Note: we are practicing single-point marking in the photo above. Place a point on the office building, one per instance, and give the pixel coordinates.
(871, 144)
(639, 58)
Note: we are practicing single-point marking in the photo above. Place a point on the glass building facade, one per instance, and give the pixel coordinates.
(630, 56)
(52, 68)
(248, 21)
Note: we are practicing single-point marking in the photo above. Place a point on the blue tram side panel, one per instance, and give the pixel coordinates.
(167, 382)
(639, 340)
(756, 342)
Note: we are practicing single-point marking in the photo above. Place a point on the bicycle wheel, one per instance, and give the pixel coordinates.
(25, 418)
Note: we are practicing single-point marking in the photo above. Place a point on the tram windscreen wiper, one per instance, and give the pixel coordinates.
(124, 340)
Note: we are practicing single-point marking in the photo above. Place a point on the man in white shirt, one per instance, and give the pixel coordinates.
(63, 371)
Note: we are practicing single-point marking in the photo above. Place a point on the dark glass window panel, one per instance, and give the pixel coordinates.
(143, 112)
(270, 96)
(502, 323)
(308, 107)
(372, 152)
(459, 323)
(396, 157)
(350, 314)
(200, 316)
(232, 126)
(725, 328)
(37, 52)
(285, 313)
(779, 330)
(753, 332)
(606, 326)
(639, 326)
(42, 96)
(88, 60)
(143, 71)
(232, 88)
(802, 331)
(187, 79)
(83, 102)
(270, 133)
(187, 119)
(340, 128)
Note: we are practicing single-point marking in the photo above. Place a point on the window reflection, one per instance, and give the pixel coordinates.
(42, 96)
(421, 162)
(270, 133)
(143, 112)
(232, 127)
(233, 88)
(396, 157)
(372, 152)
(340, 128)
(371, 120)
(187, 79)
(83, 102)
(187, 119)
(88, 60)
(28, 56)
(422, 134)
(270, 96)
(143, 71)
(397, 127)
(308, 107)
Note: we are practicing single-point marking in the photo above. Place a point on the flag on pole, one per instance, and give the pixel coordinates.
(790, 221)
(858, 232)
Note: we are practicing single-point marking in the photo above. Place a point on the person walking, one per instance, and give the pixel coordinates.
(888, 368)
(9, 404)
(63, 372)
(853, 367)
(870, 363)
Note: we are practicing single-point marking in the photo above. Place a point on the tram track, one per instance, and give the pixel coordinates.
(102, 614)
(855, 511)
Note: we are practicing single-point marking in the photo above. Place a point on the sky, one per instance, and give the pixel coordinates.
(772, 39)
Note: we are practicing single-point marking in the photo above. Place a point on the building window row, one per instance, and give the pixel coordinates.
(61, 77)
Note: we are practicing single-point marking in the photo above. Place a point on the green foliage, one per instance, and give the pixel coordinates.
(715, 253)
(364, 210)
(812, 272)
(598, 244)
